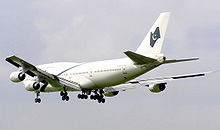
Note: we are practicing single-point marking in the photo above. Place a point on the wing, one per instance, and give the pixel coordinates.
(167, 79)
(131, 84)
(43, 75)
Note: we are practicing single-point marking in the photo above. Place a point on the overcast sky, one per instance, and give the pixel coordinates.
(44, 31)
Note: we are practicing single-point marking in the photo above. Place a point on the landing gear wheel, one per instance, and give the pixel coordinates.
(92, 97)
(103, 100)
(61, 93)
(37, 100)
(79, 96)
(64, 95)
(96, 97)
(63, 98)
(67, 98)
(100, 97)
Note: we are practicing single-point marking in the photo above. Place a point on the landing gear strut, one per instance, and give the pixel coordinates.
(37, 99)
(64, 95)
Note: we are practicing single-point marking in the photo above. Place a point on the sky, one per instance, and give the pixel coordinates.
(45, 31)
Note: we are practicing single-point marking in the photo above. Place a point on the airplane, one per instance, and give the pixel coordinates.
(101, 79)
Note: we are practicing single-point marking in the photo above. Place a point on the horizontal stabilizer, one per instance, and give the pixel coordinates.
(181, 60)
(139, 59)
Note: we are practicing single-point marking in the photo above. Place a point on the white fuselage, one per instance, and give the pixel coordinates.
(93, 75)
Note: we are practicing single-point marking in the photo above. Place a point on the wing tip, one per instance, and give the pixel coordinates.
(211, 72)
(9, 57)
(196, 58)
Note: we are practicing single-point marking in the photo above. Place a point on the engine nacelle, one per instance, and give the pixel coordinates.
(156, 88)
(111, 94)
(33, 85)
(17, 76)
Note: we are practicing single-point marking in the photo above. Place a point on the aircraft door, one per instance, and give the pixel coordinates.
(124, 71)
(90, 72)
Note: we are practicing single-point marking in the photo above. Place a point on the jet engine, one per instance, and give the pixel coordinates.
(33, 85)
(17, 76)
(156, 88)
(111, 94)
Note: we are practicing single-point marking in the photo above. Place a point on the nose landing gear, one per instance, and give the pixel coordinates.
(37, 99)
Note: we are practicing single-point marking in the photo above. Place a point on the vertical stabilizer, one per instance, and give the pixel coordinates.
(152, 43)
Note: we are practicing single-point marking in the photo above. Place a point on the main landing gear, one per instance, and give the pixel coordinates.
(64, 95)
(98, 95)
(82, 96)
(37, 99)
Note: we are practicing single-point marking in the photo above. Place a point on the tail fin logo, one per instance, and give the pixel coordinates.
(154, 36)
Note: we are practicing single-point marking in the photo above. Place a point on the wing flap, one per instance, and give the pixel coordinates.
(121, 87)
(70, 84)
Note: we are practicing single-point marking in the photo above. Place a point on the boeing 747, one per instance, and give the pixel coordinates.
(101, 78)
